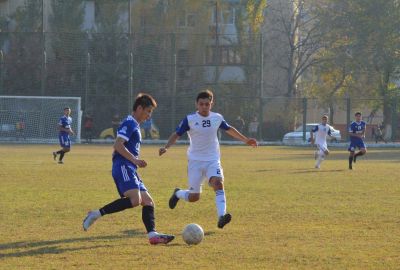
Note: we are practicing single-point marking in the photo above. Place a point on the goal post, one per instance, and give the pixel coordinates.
(34, 119)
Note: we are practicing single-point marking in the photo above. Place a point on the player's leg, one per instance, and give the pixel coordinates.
(195, 179)
(216, 176)
(63, 152)
(351, 149)
(363, 151)
(65, 143)
(317, 156)
(61, 140)
(127, 183)
(148, 219)
(322, 153)
(113, 207)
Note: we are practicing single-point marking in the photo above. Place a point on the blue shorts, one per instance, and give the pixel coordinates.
(126, 177)
(65, 141)
(356, 144)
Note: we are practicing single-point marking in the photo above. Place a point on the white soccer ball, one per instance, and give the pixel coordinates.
(193, 234)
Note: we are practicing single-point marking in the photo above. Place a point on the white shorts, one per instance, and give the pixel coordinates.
(200, 171)
(322, 147)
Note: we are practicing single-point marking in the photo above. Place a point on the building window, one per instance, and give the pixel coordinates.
(223, 55)
(182, 57)
(225, 16)
(187, 20)
(89, 16)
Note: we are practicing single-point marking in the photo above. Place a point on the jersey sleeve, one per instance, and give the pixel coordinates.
(314, 129)
(351, 128)
(224, 125)
(126, 130)
(183, 127)
(330, 131)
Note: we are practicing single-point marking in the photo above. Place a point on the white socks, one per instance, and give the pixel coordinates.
(220, 202)
(320, 158)
(182, 194)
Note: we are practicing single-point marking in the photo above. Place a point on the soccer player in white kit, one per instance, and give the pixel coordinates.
(321, 131)
(204, 154)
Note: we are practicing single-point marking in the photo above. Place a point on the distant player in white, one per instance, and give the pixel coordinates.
(204, 154)
(321, 131)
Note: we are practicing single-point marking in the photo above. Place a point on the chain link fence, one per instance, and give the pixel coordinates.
(107, 70)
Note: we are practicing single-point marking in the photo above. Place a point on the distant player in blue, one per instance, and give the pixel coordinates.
(124, 171)
(357, 134)
(64, 126)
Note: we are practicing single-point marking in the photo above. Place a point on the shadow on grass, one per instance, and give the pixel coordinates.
(266, 170)
(46, 250)
(51, 246)
(296, 171)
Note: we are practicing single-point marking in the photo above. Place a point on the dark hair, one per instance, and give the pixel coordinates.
(357, 113)
(67, 108)
(205, 94)
(144, 100)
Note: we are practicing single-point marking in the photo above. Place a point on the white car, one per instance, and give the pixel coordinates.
(297, 135)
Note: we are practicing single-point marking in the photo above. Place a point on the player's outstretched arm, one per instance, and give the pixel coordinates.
(172, 139)
(234, 133)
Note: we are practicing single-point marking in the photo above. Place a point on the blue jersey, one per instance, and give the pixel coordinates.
(129, 130)
(357, 128)
(65, 122)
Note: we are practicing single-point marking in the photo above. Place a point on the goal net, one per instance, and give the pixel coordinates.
(34, 119)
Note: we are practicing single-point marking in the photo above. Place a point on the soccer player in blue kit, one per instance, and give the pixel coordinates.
(64, 126)
(356, 133)
(124, 171)
(204, 154)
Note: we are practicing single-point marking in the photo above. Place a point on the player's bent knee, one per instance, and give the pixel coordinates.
(218, 185)
(151, 203)
(194, 197)
(135, 202)
(146, 202)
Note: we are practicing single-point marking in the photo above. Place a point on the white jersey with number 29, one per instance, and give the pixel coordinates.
(203, 135)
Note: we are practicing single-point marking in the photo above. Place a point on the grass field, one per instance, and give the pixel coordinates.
(286, 215)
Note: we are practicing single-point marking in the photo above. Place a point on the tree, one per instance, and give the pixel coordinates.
(65, 48)
(24, 58)
(368, 32)
(302, 39)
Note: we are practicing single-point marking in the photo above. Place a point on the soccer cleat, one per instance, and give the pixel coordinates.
(161, 239)
(61, 162)
(317, 166)
(173, 200)
(54, 156)
(89, 220)
(223, 220)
